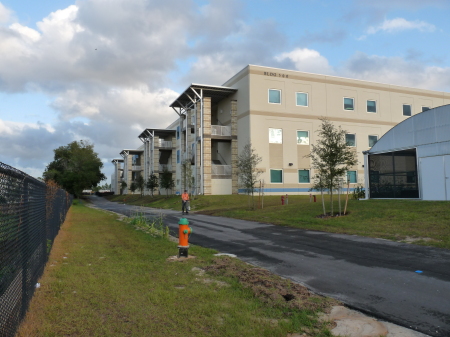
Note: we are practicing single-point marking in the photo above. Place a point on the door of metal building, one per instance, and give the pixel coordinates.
(435, 177)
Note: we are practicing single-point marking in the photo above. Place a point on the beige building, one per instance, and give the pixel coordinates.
(277, 111)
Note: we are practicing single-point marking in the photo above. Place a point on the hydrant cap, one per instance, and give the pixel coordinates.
(183, 221)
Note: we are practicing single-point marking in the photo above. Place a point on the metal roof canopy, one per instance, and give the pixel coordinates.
(147, 133)
(196, 92)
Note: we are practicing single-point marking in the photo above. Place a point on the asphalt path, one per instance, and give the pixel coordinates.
(405, 284)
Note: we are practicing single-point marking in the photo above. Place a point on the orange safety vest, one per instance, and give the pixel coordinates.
(185, 196)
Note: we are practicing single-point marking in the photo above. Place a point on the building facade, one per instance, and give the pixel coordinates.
(277, 111)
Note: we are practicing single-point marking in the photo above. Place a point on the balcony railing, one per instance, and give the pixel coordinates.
(136, 167)
(163, 167)
(219, 130)
(164, 143)
(221, 170)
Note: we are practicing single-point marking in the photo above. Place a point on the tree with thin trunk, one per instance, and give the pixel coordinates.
(123, 185)
(248, 159)
(133, 187)
(140, 182)
(166, 181)
(331, 158)
(186, 175)
(152, 183)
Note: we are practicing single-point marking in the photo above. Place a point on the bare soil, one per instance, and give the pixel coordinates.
(270, 288)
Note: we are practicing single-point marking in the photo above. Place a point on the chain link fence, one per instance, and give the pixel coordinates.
(31, 213)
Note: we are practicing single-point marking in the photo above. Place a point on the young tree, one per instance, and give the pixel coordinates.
(75, 167)
(246, 165)
(166, 181)
(331, 158)
(140, 183)
(186, 175)
(123, 185)
(152, 183)
(133, 187)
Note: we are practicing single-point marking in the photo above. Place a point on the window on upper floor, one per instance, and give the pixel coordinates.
(407, 109)
(301, 99)
(303, 176)
(276, 176)
(178, 156)
(352, 177)
(371, 106)
(349, 103)
(303, 137)
(274, 96)
(178, 132)
(275, 136)
(425, 108)
(350, 139)
(372, 140)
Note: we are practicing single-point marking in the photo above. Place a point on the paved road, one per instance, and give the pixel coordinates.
(371, 275)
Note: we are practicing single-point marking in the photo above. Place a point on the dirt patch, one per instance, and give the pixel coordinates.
(329, 215)
(270, 288)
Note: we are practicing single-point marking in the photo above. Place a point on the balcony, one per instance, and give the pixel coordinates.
(163, 167)
(219, 130)
(221, 170)
(136, 168)
(164, 143)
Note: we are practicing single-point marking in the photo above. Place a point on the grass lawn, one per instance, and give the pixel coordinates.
(421, 222)
(105, 278)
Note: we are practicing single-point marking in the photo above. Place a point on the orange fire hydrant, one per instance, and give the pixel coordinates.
(184, 231)
(282, 199)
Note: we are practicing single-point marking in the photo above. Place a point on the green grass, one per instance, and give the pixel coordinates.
(425, 222)
(105, 278)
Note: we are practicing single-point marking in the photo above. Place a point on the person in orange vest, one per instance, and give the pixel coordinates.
(185, 202)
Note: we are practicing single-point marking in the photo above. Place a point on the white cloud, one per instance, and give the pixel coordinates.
(307, 60)
(396, 70)
(401, 24)
(5, 14)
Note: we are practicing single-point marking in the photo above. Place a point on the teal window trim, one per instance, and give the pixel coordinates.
(304, 177)
(276, 176)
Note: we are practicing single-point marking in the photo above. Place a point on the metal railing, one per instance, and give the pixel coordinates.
(163, 167)
(31, 214)
(136, 167)
(219, 130)
(164, 143)
(222, 170)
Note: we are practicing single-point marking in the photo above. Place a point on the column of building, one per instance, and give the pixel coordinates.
(206, 145)
(234, 148)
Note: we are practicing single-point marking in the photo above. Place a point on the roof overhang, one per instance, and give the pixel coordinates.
(126, 152)
(147, 133)
(195, 93)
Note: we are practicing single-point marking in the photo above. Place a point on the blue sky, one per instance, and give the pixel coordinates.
(103, 70)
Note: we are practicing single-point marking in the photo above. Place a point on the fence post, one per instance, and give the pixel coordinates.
(24, 254)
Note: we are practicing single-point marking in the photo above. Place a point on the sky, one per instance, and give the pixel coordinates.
(104, 70)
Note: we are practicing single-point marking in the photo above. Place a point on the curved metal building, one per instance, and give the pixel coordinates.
(412, 160)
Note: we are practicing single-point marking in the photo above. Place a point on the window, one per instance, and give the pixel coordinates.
(425, 108)
(303, 137)
(303, 176)
(351, 176)
(301, 99)
(178, 156)
(178, 132)
(372, 140)
(349, 103)
(406, 110)
(371, 106)
(275, 136)
(274, 96)
(276, 176)
(411, 177)
(350, 139)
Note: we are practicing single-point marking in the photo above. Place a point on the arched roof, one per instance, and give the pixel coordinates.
(428, 127)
